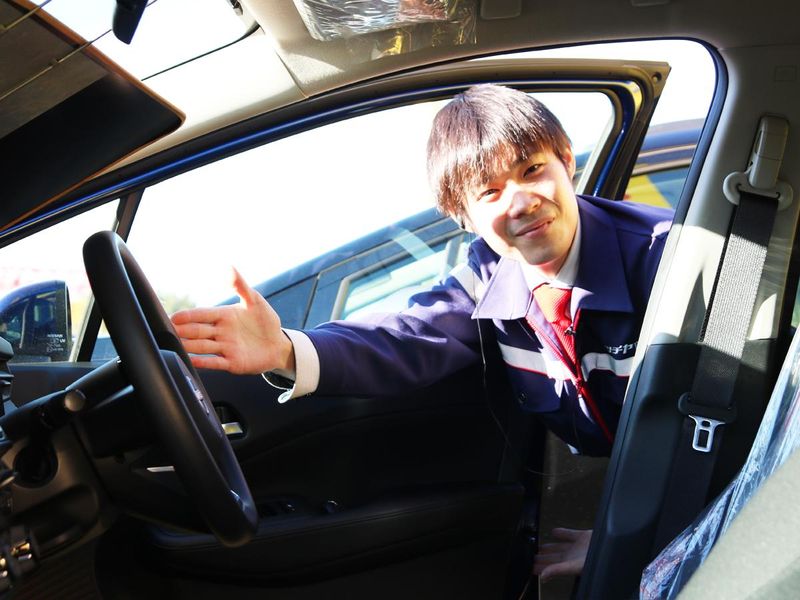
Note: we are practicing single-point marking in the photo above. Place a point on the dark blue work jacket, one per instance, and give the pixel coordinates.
(621, 245)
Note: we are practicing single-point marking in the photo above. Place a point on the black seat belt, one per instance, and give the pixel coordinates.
(709, 406)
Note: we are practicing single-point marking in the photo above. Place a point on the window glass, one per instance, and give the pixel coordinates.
(298, 199)
(659, 188)
(44, 291)
(692, 78)
(663, 162)
(388, 287)
(205, 25)
(679, 116)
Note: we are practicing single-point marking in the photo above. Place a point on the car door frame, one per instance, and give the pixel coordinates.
(633, 90)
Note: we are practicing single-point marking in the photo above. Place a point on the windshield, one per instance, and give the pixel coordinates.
(158, 44)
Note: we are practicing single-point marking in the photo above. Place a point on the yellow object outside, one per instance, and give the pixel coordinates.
(642, 189)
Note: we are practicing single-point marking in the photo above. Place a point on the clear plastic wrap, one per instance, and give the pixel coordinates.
(399, 26)
(777, 438)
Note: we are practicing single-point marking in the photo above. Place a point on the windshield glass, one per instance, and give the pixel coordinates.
(204, 25)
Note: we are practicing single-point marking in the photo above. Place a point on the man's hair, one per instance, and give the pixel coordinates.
(481, 132)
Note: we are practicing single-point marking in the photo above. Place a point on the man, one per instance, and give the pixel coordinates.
(564, 280)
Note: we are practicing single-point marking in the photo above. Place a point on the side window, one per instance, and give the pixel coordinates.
(659, 188)
(386, 287)
(296, 210)
(663, 163)
(44, 292)
(676, 124)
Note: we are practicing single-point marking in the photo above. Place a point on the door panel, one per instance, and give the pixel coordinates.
(296, 548)
(361, 483)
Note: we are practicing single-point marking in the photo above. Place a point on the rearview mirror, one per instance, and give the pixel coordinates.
(37, 322)
(127, 15)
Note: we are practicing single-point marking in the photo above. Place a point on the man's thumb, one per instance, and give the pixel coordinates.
(558, 569)
(244, 291)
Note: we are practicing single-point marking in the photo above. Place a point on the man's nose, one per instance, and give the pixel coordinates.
(521, 201)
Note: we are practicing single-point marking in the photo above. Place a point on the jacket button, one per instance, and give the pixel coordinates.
(521, 397)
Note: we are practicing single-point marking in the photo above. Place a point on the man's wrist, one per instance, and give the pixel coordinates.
(303, 378)
(286, 352)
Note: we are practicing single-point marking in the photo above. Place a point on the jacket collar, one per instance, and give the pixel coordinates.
(600, 283)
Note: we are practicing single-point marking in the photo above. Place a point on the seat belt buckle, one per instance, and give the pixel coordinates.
(706, 420)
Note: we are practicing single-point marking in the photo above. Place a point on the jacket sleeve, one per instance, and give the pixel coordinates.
(386, 354)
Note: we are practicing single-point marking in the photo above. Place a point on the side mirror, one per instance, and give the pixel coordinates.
(37, 322)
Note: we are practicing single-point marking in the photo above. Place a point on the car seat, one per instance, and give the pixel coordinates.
(762, 557)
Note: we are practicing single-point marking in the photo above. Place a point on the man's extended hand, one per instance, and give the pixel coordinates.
(565, 556)
(240, 338)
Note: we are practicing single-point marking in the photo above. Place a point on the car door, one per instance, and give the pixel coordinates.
(417, 494)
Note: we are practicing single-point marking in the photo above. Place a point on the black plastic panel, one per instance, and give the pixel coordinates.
(649, 431)
(301, 548)
(34, 380)
(353, 450)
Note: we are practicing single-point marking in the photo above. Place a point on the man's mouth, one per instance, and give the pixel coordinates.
(535, 228)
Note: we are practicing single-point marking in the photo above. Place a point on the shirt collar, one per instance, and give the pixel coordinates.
(598, 282)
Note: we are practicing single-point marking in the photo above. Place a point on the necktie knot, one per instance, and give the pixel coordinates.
(554, 304)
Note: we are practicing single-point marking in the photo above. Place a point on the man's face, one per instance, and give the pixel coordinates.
(528, 212)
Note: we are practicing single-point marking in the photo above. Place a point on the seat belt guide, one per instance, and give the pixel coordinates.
(706, 420)
(703, 439)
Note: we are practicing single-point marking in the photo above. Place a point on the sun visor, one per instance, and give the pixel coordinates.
(66, 111)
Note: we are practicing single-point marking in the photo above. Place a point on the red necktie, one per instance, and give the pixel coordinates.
(554, 303)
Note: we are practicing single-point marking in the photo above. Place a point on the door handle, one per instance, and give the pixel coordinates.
(232, 429)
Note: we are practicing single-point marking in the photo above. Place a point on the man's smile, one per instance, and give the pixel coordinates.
(529, 211)
(535, 228)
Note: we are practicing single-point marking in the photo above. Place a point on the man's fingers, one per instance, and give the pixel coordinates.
(541, 562)
(196, 331)
(204, 347)
(210, 362)
(564, 555)
(197, 315)
(559, 547)
(568, 534)
(563, 568)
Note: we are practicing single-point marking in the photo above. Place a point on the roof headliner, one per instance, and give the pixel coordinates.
(319, 66)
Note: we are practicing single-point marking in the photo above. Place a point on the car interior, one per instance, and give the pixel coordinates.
(128, 186)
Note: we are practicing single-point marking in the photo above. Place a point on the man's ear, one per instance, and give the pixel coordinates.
(568, 158)
(463, 222)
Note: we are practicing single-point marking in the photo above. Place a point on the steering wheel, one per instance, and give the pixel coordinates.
(172, 395)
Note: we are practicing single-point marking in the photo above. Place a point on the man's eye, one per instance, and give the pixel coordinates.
(534, 168)
(488, 194)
